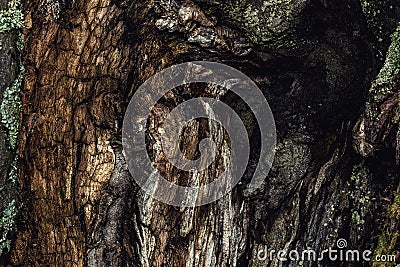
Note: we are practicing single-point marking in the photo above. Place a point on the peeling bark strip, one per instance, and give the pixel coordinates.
(313, 60)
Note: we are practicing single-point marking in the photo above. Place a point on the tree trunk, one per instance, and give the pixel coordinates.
(315, 62)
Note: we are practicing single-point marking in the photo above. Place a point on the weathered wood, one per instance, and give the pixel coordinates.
(85, 59)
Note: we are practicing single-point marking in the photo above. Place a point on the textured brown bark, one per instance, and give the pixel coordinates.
(85, 59)
(77, 69)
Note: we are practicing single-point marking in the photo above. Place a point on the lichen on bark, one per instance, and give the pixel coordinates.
(387, 79)
(382, 109)
(11, 23)
(264, 20)
(389, 239)
(382, 18)
(7, 225)
(271, 24)
(10, 108)
(12, 17)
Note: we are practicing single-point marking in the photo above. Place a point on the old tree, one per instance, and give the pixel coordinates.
(330, 71)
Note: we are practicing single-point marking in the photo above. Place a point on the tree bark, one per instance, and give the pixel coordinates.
(314, 61)
(9, 115)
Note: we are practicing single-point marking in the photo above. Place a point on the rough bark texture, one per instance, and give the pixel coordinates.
(9, 115)
(8, 72)
(329, 70)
